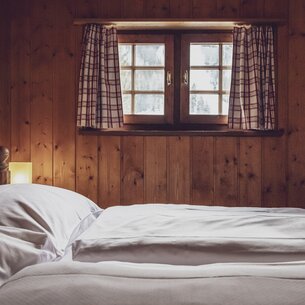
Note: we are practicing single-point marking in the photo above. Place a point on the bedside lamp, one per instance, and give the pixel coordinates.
(21, 172)
(4, 173)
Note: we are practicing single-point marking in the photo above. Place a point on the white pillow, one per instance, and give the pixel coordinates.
(20, 248)
(41, 208)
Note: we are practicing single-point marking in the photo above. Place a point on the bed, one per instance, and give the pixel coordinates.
(58, 247)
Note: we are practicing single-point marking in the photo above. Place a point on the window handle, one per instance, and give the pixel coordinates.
(168, 78)
(186, 78)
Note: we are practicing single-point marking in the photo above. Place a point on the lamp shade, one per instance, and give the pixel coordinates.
(21, 172)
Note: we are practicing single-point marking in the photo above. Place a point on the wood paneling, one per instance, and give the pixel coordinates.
(204, 8)
(87, 166)
(251, 8)
(179, 169)
(157, 9)
(63, 96)
(226, 171)
(155, 169)
(5, 50)
(202, 170)
(42, 19)
(20, 82)
(109, 168)
(296, 147)
(250, 172)
(228, 8)
(40, 57)
(132, 189)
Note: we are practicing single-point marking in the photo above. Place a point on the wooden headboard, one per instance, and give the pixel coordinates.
(4, 172)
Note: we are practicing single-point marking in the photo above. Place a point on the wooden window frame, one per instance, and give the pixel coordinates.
(168, 41)
(186, 40)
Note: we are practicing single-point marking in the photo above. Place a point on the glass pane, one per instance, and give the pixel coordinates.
(152, 104)
(125, 53)
(204, 104)
(127, 103)
(225, 104)
(204, 55)
(226, 80)
(150, 55)
(126, 79)
(149, 80)
(204, 79)
(227, 52)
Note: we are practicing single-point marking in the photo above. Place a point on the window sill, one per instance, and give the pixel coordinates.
(155, 132)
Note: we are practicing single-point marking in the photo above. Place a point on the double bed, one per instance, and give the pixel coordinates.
(58, 247)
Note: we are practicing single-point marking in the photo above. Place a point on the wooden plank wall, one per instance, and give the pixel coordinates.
(44, 52)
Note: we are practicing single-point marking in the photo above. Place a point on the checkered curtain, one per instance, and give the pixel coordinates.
(100, 97)
(252, 96)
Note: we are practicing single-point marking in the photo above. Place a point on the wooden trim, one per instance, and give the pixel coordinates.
(215, 133)
(172, 23)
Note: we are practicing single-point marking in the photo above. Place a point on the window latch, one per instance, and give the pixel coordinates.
(168, 78)
(186, 78)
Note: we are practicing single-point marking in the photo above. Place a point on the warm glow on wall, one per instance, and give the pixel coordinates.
(21, 172)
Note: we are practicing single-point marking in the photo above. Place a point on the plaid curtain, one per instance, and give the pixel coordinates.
(252, 96)
(100, 96)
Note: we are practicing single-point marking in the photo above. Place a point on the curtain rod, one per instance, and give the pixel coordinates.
(170, 23)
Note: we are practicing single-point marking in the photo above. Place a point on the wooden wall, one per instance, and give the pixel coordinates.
(38, 92)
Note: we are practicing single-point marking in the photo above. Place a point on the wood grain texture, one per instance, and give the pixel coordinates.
(37, 56)
(87, 166)
(133, 8)
(5, 50)
(250, 172)
(109, 169)
(132, 189)
(20, 79)
(87, 8)
(274, 172)
(180, 9)
(42, 63)
(296, 147)
(64, 96)
(179, 169)
(277, 8)
(155, 169)
(202, 170)
(157, 9)
(226, 171)
(228, 8)
(204, 8)
(252, 8)
(110, 9)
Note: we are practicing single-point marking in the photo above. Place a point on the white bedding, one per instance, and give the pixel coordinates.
(115, 283)
(193, 235)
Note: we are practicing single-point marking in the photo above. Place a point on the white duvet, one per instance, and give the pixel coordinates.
(115, 283)
(193, 235)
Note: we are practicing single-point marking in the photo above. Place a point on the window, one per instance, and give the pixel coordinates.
(206, 68)
(146, 77)
(203, 64)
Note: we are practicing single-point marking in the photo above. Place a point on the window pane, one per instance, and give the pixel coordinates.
(125, 53)
(226, 80)
(225, 104)
(203, 104)
(126, 79)
(150, 104)
(149, 80)
(227, 54)
(150, 55)
(204, 80)
(127, 103)
(204, 55)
